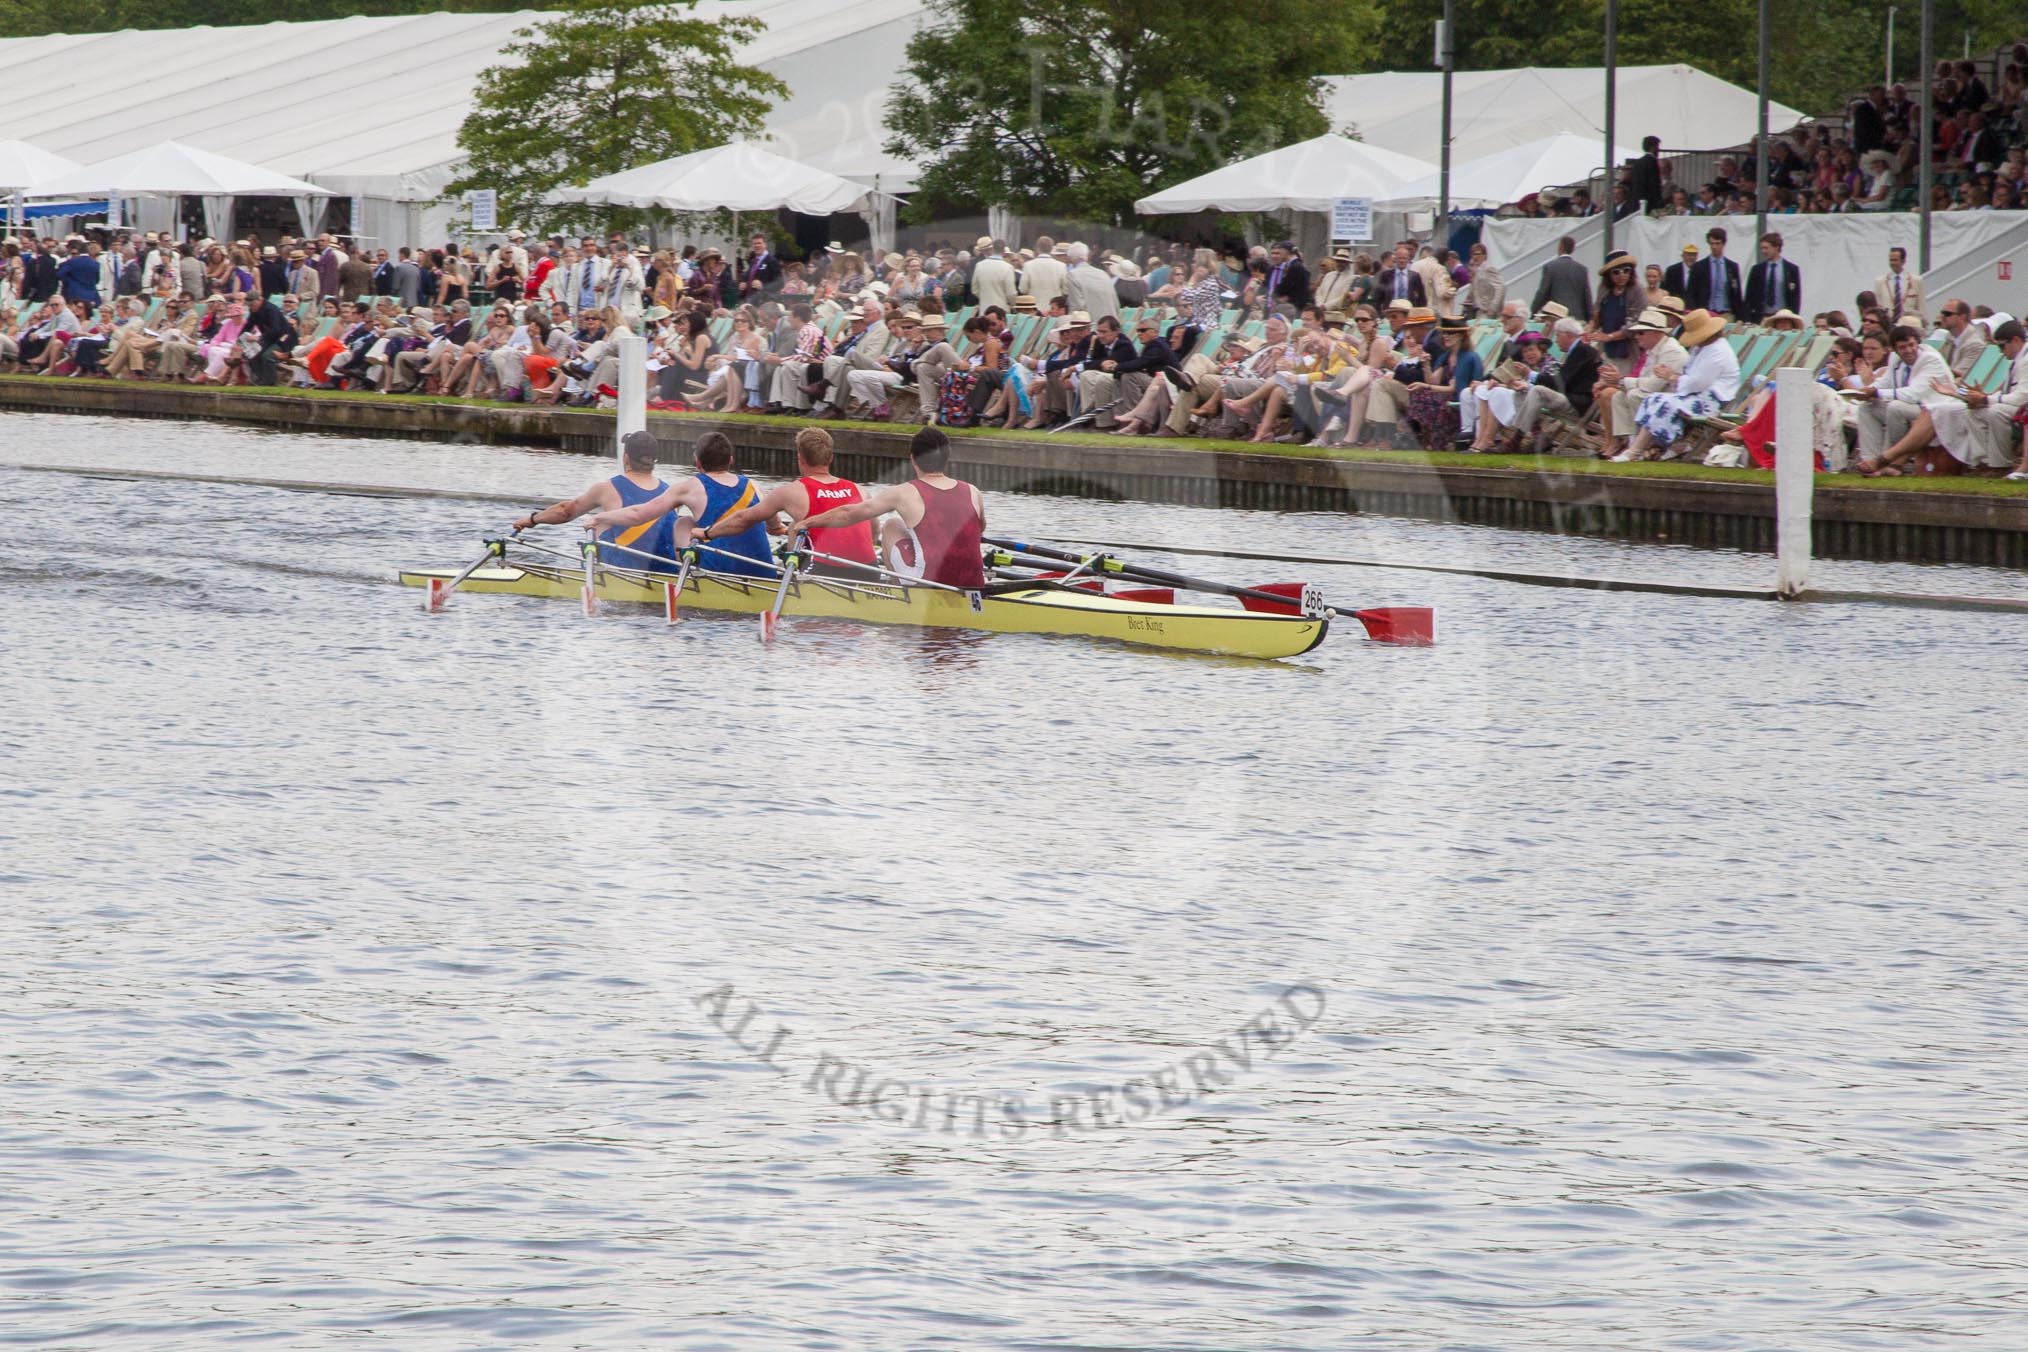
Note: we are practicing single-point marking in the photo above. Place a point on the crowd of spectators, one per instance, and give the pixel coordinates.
(1411, 346)
(1872, 162)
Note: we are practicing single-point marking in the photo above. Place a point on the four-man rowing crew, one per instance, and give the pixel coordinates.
(703, 541)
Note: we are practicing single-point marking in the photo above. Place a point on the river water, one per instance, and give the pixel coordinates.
(1625, 971)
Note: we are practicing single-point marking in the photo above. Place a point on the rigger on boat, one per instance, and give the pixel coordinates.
(702, 542)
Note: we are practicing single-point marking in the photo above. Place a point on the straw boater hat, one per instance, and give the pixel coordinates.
(1618, 258)
(1421, 314)
(422, 312)
(1024, 305)
(937, 322)
(1076, 319)
(1669, 306)
(1876, 157)
(983, 243)
(295, 255)
(1553, 310)
(1126, 269)
(1651, 321)
(1246, 344)
(1784, 317)
(655, 313)
(1398, 304)
(1342, 256)
(911, 316)
(834, 247)
(1701, 327)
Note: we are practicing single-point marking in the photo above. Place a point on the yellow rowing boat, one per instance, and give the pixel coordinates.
(1202, 629)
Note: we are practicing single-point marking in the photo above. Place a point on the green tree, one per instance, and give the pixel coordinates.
(1076, 109)
(600, 88)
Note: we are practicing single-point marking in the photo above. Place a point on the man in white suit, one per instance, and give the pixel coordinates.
(1088, 288)
(623, 282)
(1044, 276)
(994, 280)
(1900, 291)
(586, 288)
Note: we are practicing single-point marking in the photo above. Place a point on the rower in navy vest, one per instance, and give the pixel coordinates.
(848, 550)
(713, 493)
(653, 534)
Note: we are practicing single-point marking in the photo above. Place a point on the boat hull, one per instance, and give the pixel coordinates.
(1203, 629)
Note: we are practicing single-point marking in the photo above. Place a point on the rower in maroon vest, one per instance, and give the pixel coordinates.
(818, 490)
(942, 515)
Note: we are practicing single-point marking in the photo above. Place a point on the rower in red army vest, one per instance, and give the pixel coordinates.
(937, 521)
(850, 548)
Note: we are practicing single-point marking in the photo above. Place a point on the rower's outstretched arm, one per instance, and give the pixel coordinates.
(569, 509)
(668, 500)
(789, 498)
(852, 513)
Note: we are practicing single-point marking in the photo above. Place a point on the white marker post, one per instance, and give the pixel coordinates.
(1795, 479)
(633, 412)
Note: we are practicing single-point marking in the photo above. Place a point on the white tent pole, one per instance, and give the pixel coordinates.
(1795, 479)
(632, 355)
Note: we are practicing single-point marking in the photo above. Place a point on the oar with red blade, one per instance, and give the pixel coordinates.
(1404, 625)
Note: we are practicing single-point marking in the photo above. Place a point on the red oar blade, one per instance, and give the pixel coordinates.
(1408, 626)
(1156, 596)
(1292, 590)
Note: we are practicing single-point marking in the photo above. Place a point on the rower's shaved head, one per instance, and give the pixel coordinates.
(714, 452)
(813, 447)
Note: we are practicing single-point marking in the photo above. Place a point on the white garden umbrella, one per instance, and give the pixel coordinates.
(172, 169)
(1307, 176)
(1510, 175)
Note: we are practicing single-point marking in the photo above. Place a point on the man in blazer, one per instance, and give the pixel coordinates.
(1399, 281)
(1776, 283)
(1088, 288)
(1131, 377)
(1568, 391)
(1288, 279)
(1676, 277)
(1098, 383)
(587, 282)
(1900, 291)
(762, 275)
(1714, 280)
(864, 348)
(1564, 280)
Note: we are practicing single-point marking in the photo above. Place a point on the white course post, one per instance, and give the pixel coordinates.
(633, 411)
(1795, 479)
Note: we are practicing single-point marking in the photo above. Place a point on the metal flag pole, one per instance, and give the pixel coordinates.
(1925, 173)
(1445, 59)
(1612, 61)
(1760, 157)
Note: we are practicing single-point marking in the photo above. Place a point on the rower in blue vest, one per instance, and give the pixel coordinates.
(653, 535)
(717, 490)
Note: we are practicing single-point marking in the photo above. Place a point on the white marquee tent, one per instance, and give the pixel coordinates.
(20, 165)
(723, 178)
(1508, 175)
(369, 107)
(1303, 177)
(172, 169)
(1495, 110)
